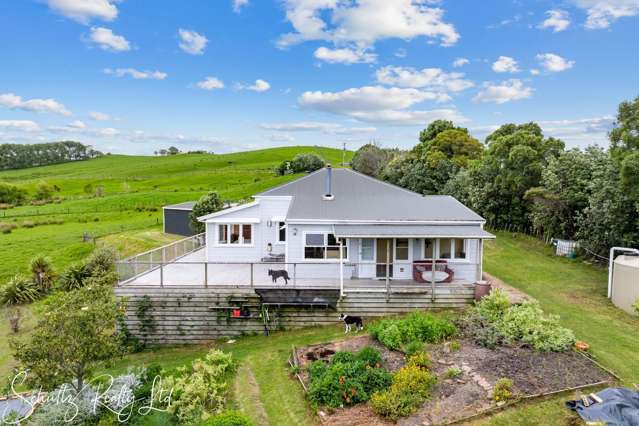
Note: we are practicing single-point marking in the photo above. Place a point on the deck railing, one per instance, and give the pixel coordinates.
(148, 261)
(308, 274)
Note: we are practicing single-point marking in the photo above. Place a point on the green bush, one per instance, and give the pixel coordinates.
(453, 373)
(478, 328)
(200, 391)
(527, 323)
(420, 359)
(417, 326)
(229, 418)
(308, 162)
(503, 390)
(347, 379)
(11, 194)
(410, 387)
(413, 347)
(42, 273)
(19, 290)
(493, 306)
(74, 277)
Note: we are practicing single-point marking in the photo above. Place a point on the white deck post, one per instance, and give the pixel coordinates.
(387, 269)
(432, 278)
(206, 274)
(161, 274)
(341, 268)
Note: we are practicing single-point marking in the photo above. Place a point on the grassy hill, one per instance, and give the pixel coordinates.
(128, 215)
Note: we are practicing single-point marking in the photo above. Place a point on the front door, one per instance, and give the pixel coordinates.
(384, 252)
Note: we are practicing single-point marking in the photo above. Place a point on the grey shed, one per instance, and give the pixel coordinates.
(176, 218)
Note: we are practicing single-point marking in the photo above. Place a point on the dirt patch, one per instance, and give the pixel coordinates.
(247, 392)
(452, 399)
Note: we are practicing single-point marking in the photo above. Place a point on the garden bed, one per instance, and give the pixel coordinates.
(533, 373)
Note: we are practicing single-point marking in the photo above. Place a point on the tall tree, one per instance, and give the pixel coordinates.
(209, 203)
(624, 138)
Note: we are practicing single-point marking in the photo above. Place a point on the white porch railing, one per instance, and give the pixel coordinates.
(143, 263)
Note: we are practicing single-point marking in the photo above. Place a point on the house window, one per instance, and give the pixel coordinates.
(235, 234)
(429, 248)
(401, 249)
(445, 248)
(323, 246)
(281, 232)
(368, 249)
(460, 248)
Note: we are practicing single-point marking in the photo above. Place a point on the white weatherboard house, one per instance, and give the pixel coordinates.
(386, 232)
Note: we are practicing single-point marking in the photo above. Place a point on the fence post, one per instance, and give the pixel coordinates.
(294, 275)
(161, 274)
(387, 270)
(206, 275)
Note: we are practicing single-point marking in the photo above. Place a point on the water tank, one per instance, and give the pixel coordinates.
(625, 282)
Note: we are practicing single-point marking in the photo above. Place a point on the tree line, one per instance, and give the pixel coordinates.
(18, 156)
(518, 177)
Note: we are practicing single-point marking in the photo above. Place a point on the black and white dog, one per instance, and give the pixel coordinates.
(277, 274)
(350, 321)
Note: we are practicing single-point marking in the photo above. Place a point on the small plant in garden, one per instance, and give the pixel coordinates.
(420, 359)
(503, 390)
(455, 346)
(229, 418)
(349, 378)
(410, 387)
(494, 305)
(413, 347)
(453, 373)
(418, 326)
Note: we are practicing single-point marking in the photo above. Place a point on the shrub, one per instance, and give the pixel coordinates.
(494, 306)
(410, 387)
(347, 379)
(413, 347)
(480, 330)
(201, 390)
(11, 194)
(209, 203)
(420, 359)
(19, 290)
(101, 261)
(503, 390)
(455, 346)
(6, 227)
(308, 162)
(418, 326)
(229, 418)
(527, 323)
(74, 277)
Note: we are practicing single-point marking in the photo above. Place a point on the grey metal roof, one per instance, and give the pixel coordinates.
(360, 197)
(412, 231)
(188, 205)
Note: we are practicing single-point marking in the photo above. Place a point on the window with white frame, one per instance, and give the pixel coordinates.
(401, 249)
(236, 234)
(323, 246)
(368, 249)
(281, 232)
(445, 248)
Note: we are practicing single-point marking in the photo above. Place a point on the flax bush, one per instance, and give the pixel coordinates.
(19, 290)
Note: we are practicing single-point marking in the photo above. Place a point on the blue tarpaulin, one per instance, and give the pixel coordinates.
(619, 407)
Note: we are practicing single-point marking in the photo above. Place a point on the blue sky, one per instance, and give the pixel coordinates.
(227, 75)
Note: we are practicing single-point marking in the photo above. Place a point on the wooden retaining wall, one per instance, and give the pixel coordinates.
(198, 315)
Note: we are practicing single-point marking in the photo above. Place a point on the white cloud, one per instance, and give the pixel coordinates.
(84, 10)
(401, 53)
(431, 78)
(136, 74)
(601, 13)
(344, 56)
(210, 83)
(364, 22)
(460, 62)
(554, 63)
(312, 126)
(378, 104)
(20, 125)
(506, 91)
(558, 20)
(12, 101)
(77, 124)
(239, 4)
(534, 71)
(192, 42)
(580, 132)
(505, 64)
(281, 137)
(258, 86)
(99, 116)
(107, 40)
(107, 131)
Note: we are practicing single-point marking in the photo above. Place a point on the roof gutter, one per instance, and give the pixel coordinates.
(611, 264)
